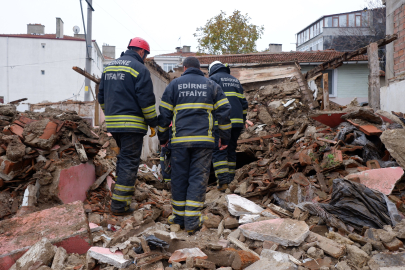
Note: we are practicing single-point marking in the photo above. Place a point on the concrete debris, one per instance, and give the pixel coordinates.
(41, 253)
(286, 232)
(393, 141)
(383, 180)
(59, 260)
(182, 254)
(104, 255)
(238, 206)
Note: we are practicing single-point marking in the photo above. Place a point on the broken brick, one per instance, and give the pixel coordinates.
(65, 225)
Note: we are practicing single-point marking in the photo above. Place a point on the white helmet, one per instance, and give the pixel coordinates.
(213, 64)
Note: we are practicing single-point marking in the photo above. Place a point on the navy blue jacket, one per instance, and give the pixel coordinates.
(233, 91)
(191, 102)
(126, 95)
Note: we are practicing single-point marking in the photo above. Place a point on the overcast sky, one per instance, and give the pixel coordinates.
(162, 23)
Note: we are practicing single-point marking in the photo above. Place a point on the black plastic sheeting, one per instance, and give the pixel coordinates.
(153, 243)
(359, 206)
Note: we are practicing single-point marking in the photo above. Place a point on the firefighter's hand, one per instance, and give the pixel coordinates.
(221, 147)
(152, 132)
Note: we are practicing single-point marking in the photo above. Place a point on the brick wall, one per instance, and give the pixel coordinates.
(399, 44)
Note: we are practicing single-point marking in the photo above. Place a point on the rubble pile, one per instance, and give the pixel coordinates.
(321, 194)
(41, 152)
(274, 107)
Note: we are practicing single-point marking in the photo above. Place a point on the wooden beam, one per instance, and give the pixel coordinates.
(87, 75)
(326, 106)
(338, 61)
(373, 77)
(266, 137)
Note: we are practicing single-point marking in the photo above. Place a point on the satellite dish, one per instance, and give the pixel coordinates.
(76, 29)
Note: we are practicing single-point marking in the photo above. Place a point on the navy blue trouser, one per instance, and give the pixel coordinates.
(166, 176)
(224, 161)
(130, 145)
(190, 173)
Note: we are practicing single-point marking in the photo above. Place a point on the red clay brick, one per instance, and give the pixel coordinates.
(17, 130)
(65, 225)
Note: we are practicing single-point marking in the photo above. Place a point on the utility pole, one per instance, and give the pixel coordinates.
(89, 43)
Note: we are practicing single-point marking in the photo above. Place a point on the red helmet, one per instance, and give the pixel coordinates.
(140, 43)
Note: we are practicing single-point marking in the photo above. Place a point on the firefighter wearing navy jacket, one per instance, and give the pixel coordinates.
(224, 162)
(127, 99)
(192, 102)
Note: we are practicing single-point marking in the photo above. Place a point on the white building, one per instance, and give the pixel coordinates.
(38, 66)
(169, 61)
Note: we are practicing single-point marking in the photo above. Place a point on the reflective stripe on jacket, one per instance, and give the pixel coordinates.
(233, 91)
(126, 95)
(191, 103)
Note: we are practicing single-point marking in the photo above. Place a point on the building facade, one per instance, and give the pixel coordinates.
(343, 32)
(38, 66)
(393, 94)
(170, 61)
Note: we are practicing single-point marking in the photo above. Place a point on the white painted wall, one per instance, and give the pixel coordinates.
(392, 97)
(21, 62)
(160, 60)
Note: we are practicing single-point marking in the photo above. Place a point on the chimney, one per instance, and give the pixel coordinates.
(274, 48)
(109, 51)
(186, 48)
(59, 28)
(178, 49)
(35, 29)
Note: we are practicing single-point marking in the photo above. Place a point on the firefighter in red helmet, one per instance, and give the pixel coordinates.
(127, 99)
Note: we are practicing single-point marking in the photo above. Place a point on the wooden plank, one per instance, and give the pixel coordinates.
(259, 74)
(374, 77)
(326, 106)
(266, 137)
(322, 183)
(144, 244)
(338, 61)
(87, 75)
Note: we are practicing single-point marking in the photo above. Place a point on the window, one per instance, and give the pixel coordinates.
(351, 20)
(328, 22)
(321, 26)
(358, 19)
(169, 66)
(342, 20)
(43, 72)
(335, 22)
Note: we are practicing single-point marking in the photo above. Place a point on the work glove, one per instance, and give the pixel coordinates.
(152, 132)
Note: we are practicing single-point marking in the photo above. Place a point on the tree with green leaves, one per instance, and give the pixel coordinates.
(228, 35)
